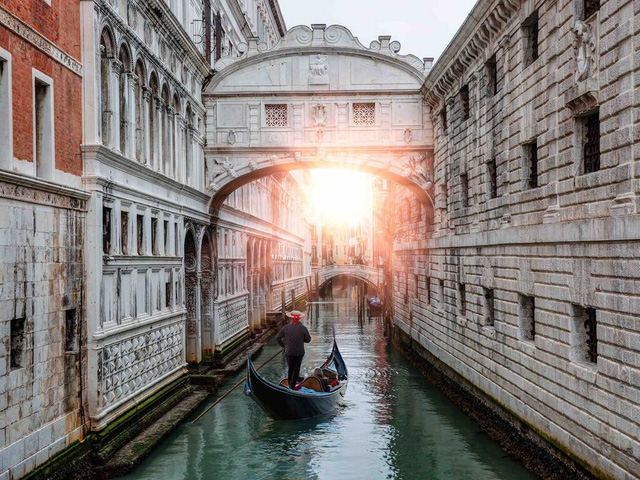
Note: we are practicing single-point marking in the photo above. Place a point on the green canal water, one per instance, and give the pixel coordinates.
(392, 423)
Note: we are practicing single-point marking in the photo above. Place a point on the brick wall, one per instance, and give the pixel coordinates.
(571, 243)
(59, 23)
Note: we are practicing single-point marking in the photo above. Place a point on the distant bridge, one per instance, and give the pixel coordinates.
(371, 275)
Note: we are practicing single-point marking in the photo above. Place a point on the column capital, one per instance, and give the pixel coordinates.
(116, 66)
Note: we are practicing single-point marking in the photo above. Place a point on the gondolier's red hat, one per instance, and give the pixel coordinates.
(295, 315)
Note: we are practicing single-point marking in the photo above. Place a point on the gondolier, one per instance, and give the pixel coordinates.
(292, 338)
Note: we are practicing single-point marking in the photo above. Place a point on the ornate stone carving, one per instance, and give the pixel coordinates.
(319, 115)
(584, 47)
(253, 166)
(297, 156)
(129, 365)
(231, 137)
(233, 318)
(419, 169)
(320, 135)
(408, 135)
(319, 70)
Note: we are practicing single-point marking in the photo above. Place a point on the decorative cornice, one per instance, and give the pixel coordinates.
(36, 190)
(39, 41)
(483, 25)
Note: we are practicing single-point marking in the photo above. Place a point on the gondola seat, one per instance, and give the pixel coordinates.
(312, 383)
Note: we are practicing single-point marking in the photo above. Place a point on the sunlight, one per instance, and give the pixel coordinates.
(343, 196)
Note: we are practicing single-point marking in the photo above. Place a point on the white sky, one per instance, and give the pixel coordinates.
(423, 27)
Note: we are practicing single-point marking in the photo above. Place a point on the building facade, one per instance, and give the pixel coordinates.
(525, 284)
(42, 223)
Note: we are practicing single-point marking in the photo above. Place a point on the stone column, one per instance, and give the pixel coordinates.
(180, 149)
(146, 132)
(130, 126)
(114, 137)
(169, 154)
(157, 134)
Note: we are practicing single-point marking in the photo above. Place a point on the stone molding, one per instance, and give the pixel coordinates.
(472, 38)
(319, 38)
(39, 41)
(35, 190)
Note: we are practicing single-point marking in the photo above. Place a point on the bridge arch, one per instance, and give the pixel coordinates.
(318, 99)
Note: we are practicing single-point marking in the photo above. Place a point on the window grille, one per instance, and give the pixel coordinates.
(364, 114)
(592, 335)
(464, 187)
(493, 178)
(17, 343)
(106, 230)
(492, 76)
(531, 151)
(443, 119)
(591, 149)
(530, 27)
(463, 298)
(591, 7)
(464, 100)
(276, 115)
(489, 303)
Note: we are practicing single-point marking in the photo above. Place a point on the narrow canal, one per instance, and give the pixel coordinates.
(392, 424)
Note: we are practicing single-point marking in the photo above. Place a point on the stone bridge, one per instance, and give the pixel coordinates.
(371, 275)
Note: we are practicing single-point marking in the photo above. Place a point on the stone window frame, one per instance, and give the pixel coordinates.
(287, 110)
(6, 110)
(526, 318)
(491, 78)
(527, 164)
(530, 53)
(578, 336)
(44, 167)
(110, 204)
(376, 114)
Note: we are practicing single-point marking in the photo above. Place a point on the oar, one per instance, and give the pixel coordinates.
(232, 389)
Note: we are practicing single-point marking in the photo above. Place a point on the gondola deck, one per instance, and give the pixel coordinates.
(282, 403)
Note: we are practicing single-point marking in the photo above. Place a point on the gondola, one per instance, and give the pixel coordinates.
(282, 403)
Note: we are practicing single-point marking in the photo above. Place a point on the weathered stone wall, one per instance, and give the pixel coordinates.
(569, 245)
(41, 308)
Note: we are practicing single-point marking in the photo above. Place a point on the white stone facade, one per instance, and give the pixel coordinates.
(532, 255)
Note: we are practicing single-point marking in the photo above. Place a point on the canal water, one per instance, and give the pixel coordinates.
(392, 423)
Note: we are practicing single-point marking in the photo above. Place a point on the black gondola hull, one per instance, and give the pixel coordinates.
(282, 403)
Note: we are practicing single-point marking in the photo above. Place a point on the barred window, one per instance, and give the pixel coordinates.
(276, 115)
(531, 158)
(492, 76)
(530, 33)
(364, 114)
(464, 100)
(591, 145)
(492, 173)
(591, 7)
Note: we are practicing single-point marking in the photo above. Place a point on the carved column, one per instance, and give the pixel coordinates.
(169, 154)
(116, 71)
(146, 128)
(132, 82)
(181, 128)
(157, 134)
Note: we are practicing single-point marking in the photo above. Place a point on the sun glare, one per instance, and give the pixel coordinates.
(343, 196)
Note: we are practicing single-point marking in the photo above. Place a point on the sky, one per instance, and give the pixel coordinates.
(423, 27)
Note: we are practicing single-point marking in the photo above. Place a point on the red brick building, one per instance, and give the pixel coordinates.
(41, 229)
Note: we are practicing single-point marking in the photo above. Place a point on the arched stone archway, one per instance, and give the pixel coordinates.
(192, 298)
(318, 99)
(206, 298)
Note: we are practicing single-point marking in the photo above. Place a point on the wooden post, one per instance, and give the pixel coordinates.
(293, 299)
(283, 316)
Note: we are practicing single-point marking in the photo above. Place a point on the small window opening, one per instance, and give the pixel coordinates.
(527, 318)
(140, 233)
(443, 118)
(17, 342)
(464, 190)
(492, 174)
(591, 142)
(106, 230)
(531, 159)
(464, 102)
(590, 7)
(492, 76)
(428, 285)
(124, 232)
(531, 39)
(489, 307)
(462, 298)
(584, 335)
(167, 294)
(154, 235)
(166, 237)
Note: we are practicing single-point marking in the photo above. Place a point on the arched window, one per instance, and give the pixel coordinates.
(187, 144)
(165, 135)
(175, 147)
(140, 119)
(106, 56)
(153, 123)
(123, 96)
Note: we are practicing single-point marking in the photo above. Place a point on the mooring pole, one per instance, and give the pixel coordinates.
(284, 306)
(293, 299)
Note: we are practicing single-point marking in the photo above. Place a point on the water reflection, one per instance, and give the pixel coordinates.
(391, 424)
